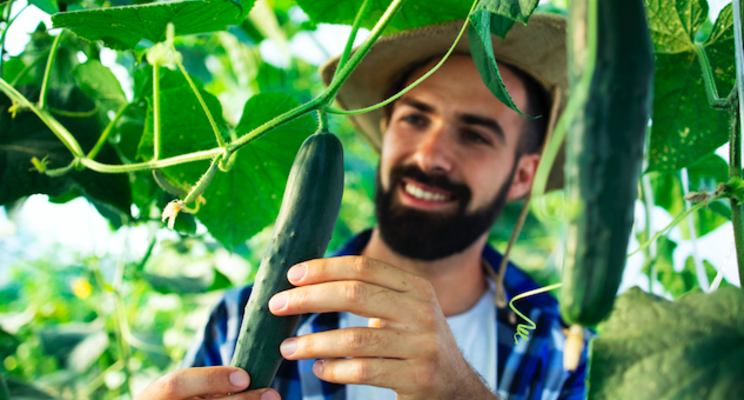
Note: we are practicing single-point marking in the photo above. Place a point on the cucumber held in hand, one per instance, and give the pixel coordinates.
(302, 232)
(604, 151)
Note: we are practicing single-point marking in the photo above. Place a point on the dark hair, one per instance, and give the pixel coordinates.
(533, 135)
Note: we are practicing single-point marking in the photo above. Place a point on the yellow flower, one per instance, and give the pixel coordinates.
(81, 288)
(171, 211)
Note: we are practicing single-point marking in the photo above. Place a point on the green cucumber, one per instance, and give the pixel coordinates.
(302, 231)
(604, 150)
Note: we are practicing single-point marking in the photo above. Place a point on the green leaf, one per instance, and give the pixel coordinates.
(48, 6)
(243, 201)
(123, 27)
(26, 136)
(651, 348)
(100, 84)
(505, 12)
(685, 128)
(414, 13)
(88, 351)
(481, 48)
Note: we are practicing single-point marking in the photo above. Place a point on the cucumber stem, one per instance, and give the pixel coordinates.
(217, 134)
(412, 85)
(352, 36)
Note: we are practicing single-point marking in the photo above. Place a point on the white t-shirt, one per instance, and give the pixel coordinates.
(475, 334)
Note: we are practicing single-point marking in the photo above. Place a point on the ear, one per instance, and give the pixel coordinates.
(523, 176)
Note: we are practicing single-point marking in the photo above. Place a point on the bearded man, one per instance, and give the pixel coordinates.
(406, 310)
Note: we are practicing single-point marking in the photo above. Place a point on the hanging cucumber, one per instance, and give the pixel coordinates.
(302, 232)
(611, 70)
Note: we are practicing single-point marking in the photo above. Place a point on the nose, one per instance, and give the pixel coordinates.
(434, 151)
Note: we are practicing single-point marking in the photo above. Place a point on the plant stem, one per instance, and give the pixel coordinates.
(166, 162)
(330, 93)
(102, 140)
(217, 134)
(48, 70)
(277, 121)
(676, 221)
(156, 111)
(323, 121)
(710, 83)
(702, 276)
(62, 133)
(409, 87)
(352, 36)
(74, 114)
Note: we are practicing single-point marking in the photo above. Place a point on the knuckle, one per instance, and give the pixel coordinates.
(354, 292)
(170, 384)
(355, 339)
(428, 316)
(361, 372)
(362, 266)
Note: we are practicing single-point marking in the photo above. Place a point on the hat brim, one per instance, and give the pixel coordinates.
(538, 48)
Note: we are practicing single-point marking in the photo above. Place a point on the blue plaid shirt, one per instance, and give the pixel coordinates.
(530, 370)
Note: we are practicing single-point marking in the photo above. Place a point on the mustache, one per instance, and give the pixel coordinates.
(460, 191)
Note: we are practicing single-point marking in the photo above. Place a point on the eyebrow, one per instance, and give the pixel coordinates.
(467, 119)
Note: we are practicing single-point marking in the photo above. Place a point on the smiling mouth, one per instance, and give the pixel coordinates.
(425, 193)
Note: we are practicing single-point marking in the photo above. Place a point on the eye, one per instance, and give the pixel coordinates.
(415, 119)
(474, 137)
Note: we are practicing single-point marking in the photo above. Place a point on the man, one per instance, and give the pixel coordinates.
(406, 310)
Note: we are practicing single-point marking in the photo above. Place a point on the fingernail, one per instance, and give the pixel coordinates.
(297, 272)
(278, 302)
(269, 395)
(318, 367)
(239, 378)
(288, 347)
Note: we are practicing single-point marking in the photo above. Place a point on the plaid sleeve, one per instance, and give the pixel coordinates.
(215, 344)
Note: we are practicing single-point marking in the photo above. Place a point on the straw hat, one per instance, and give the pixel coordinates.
(539, 49)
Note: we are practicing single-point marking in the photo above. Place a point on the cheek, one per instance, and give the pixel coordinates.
(486, 179)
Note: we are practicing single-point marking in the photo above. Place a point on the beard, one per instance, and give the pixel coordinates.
(425, 235)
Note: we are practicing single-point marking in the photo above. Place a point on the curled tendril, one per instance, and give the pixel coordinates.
(523, 330)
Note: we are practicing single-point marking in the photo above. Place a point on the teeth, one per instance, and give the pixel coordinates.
(422, 194)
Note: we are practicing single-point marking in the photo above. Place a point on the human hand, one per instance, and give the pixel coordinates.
(204, 383)
(408, 347)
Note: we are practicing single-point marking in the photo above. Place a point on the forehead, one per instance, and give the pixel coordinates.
(458, 84)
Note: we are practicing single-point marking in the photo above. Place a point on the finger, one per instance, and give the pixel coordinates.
(380, 372)
(355, 268)
(192, 382)
(258, 394)
(357, 297)
(356, 342)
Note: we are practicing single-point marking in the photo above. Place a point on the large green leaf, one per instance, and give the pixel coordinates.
(414, 13)
(651, 348)
(504, 13)
(685, 128)
(482, 50)
(123, 27)
(245, 200)
(26, 136)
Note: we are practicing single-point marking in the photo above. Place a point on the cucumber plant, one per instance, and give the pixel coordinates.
(168, 141)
